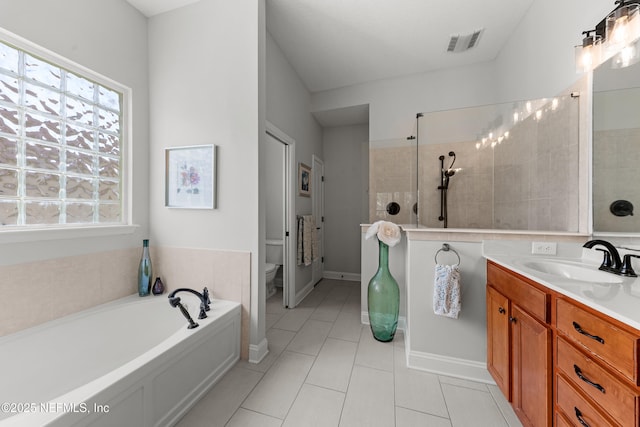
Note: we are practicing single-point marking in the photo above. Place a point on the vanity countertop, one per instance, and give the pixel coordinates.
(620, 301)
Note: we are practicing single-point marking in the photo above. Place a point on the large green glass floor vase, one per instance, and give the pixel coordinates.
(383, 299)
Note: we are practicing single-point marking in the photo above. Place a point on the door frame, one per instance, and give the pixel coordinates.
(289, 226)
(317, 203)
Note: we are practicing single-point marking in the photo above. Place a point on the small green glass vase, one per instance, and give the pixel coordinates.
(145, 271)
(383, 299)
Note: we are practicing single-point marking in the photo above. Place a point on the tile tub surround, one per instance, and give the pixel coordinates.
(45, 290)
(37, 292)
(227, 275)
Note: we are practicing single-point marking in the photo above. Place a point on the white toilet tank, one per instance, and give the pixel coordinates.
(274, 252)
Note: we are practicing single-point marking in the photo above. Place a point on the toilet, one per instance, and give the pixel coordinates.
(274, 258)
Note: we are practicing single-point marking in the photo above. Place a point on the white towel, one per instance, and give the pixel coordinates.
(446, 291)
(309, 227)
(299, 252)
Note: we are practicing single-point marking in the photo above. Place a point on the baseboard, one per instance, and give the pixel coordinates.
(450, 366)
(303, 293)
(258, 352)
(402, 321)
(338, 275)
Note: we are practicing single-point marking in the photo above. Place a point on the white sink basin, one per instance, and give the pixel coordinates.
(572, 271)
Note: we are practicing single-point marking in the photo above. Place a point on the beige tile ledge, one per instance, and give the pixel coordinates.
(478, 235)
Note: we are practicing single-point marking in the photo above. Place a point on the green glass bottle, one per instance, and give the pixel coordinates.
(145, 272)
(383, 299)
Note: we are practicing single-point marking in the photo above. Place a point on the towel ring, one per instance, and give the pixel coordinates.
(446, 248)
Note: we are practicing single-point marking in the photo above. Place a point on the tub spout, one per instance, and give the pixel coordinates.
(204, 303)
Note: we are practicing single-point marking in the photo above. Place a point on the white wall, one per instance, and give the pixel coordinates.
(539, 60)
(441, 344)
(121, 56)
(287, 107)
(204, 79)
(394, 103)
(346, 171)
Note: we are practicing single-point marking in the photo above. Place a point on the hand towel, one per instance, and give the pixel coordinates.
(307, 238)
(300, 247)
(446, 291)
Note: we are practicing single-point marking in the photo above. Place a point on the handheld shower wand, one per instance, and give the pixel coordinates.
(445, 174)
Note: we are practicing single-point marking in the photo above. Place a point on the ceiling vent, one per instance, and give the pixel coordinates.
(460, 43)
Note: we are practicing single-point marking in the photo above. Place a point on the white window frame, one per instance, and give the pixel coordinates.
(17, 234)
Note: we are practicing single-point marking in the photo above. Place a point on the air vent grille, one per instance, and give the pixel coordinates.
(461, 43)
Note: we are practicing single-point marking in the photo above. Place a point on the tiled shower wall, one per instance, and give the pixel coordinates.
(536, 172)
(392, 178)
(45, 290)
(527, 182)
(616, 156)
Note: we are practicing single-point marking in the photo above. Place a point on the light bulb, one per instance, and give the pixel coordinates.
(627, 56)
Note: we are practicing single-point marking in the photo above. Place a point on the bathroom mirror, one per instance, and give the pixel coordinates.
(616, 148)
(510, 166)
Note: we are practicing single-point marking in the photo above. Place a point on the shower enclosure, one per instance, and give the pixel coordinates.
(516, 168)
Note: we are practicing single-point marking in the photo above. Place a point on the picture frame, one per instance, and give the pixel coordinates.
(304, 180)
(190, 177)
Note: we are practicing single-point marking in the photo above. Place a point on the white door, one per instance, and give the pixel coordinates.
(317, 194)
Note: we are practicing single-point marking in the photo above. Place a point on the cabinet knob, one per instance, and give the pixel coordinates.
(501, 310)
(513, 319)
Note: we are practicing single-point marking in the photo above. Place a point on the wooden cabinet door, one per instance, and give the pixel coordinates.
(531, 369)
(498, 339)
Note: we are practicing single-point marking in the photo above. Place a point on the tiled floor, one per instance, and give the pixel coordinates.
(325, 369)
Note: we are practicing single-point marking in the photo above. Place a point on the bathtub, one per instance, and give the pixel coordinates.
(130, 362)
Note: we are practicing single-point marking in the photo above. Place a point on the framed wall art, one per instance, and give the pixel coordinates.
(304, 180)
(190, 177)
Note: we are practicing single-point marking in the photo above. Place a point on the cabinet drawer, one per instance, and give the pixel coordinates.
(530, 298)
(578, 410)
(561, 420)
(603, 339)
(606, 390)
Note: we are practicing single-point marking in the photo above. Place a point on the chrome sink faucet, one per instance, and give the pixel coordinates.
(611, 262)
(174, 301)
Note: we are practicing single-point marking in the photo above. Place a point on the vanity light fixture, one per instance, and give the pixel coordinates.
(617, 34)
(589, 52)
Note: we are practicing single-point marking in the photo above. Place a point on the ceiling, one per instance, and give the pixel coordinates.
(338, 43)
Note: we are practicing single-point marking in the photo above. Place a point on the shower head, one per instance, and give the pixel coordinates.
(452, 154)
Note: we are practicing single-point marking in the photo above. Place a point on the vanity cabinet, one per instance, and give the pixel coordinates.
(558, 361)
(519, 337)
(596, 367)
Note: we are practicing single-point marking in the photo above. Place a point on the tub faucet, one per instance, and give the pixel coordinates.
(174, 301)
(612, 262)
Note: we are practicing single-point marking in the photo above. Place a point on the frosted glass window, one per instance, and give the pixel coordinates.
(61, 133)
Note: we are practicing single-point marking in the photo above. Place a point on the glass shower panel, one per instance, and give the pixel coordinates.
(511, 166)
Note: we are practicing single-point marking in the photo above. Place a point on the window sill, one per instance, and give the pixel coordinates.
(20, 235)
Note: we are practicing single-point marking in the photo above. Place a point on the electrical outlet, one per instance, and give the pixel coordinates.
(544, 248)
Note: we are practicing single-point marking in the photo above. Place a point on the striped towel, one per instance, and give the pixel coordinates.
(446, 291)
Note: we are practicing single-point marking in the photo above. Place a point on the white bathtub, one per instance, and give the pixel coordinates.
(131, 362)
